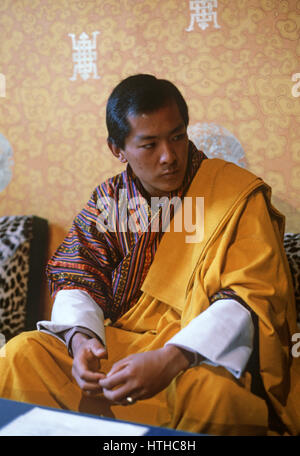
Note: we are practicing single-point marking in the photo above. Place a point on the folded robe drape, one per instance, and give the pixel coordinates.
(241, 249)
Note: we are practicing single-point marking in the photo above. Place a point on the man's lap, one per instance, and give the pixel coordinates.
(39, 364)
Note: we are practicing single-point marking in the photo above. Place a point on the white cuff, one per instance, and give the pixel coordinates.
(223, 334)
(74, 308)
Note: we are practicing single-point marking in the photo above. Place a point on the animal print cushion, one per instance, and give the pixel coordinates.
(15, 237)
(292, 249)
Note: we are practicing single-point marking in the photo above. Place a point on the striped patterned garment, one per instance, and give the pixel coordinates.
(110, 246)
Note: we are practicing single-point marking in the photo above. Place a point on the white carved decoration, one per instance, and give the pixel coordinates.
(6, 162)
(84, 56)
(217, 142)
(2, 85)
(202, 12)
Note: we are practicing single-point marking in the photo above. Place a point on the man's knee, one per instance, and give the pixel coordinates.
(208, 383)
(15, 361)
(18, 345)
(209, 399)
(26, 345)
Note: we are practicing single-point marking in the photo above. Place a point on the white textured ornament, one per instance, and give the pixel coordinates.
(6, 162)
(217, 142)
(84, 56)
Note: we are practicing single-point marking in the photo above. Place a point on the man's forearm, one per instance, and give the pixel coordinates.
(222, 334)
(74, 308)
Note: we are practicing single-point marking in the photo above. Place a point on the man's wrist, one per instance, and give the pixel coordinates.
(179, 357)
(77, 340)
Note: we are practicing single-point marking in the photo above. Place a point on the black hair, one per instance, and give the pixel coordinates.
(141, 93)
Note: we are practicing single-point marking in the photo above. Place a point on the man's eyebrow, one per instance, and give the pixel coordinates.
(178, 128)
(148, 137)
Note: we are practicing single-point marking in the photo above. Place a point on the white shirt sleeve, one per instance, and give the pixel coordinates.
(222, 334)
(74, 308)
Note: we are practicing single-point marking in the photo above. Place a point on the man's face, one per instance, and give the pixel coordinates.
(157, 149)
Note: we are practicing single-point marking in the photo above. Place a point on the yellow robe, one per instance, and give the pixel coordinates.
(241, 249)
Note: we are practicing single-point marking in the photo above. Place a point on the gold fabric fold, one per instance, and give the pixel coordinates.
(242, 249)
(223, 186)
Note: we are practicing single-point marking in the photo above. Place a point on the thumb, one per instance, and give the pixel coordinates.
(98, 349)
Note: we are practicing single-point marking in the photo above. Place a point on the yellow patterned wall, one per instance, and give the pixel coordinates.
(238, 75)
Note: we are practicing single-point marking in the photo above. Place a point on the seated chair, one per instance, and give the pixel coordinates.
(23, 252)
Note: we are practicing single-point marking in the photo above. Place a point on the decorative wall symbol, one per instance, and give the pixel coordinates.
(202, 13)
(6, 162)
(84, 56)
(2, 85)
(296, 87)
(217, 142)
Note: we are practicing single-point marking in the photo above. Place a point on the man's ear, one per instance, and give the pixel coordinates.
(117, 152)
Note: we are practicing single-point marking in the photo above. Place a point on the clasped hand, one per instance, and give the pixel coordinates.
(139, 376)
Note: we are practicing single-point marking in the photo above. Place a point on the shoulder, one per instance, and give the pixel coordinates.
(111, 186)
(107, 190)
(221, 176)
(227, 169)
(100, 198)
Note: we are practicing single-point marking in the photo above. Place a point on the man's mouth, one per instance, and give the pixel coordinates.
(170, 173)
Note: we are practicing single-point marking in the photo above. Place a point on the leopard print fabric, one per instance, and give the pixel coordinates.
(15, 237)
(292, 249)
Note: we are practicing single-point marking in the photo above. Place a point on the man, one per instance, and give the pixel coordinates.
(154, 325)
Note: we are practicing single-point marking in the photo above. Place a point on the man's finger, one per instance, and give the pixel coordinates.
(119, 365)
(117, 395)
(114, 380)
(98, 350)
(82, 369)
(90, 387)
(95, 347)
(90, 376)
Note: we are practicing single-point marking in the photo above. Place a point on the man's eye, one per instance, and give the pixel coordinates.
(148, 146)
(178, 137)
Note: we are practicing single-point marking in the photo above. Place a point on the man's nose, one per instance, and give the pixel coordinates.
(167, 153)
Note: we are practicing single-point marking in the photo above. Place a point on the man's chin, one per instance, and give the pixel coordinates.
(167, 188)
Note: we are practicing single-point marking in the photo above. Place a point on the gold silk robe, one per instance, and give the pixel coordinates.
(241, 249)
